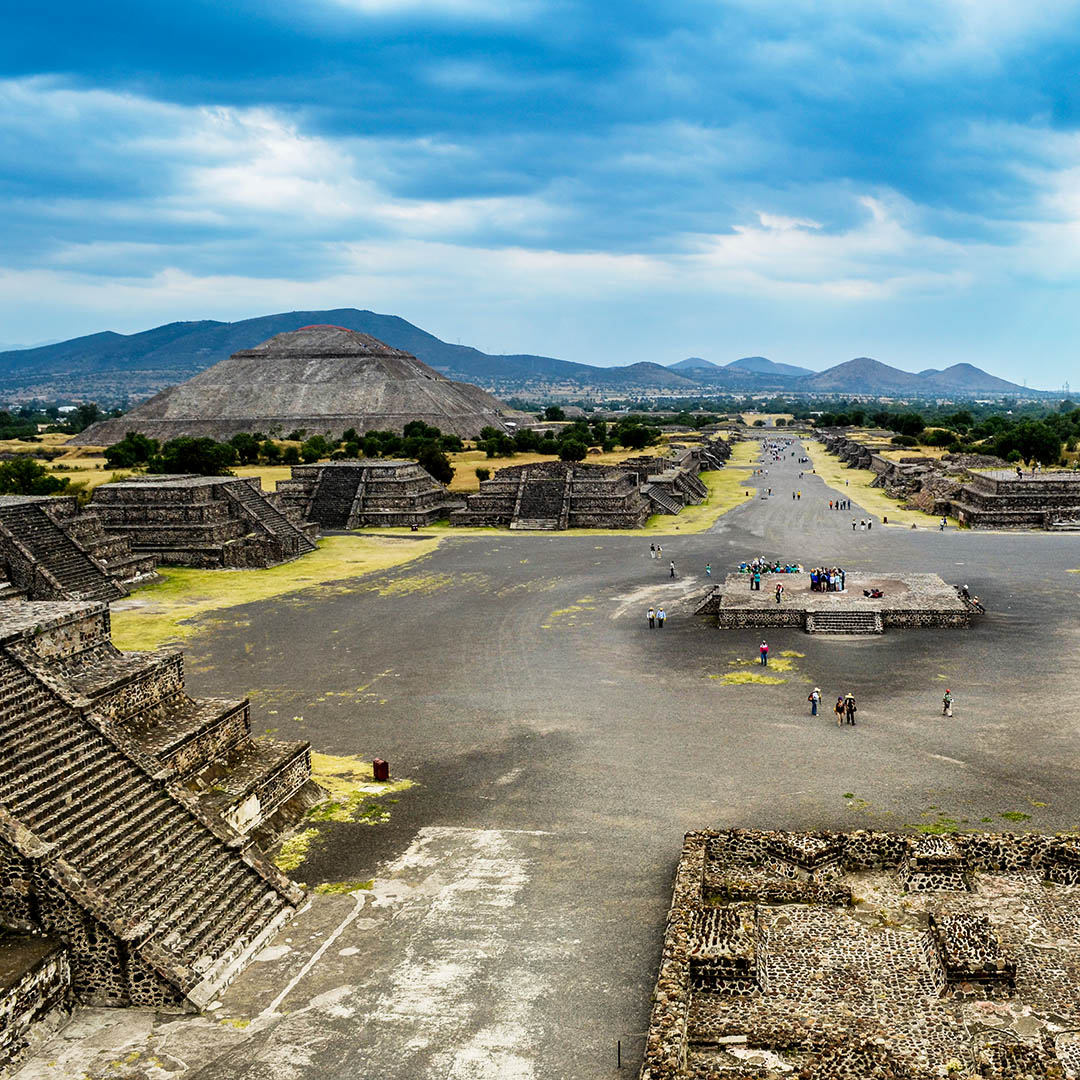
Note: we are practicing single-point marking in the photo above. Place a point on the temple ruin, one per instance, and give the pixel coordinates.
(322, 380)
(130, 822)
(848, 955)
(204, 521)
(554, 495)
(907, 601)
(367, 491)
(50, 549)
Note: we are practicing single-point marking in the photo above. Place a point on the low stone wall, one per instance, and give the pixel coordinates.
(35, 995)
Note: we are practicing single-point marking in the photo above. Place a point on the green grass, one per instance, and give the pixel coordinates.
(340, 888)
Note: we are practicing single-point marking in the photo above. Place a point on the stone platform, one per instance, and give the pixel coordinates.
(909, 601)
(841, 956)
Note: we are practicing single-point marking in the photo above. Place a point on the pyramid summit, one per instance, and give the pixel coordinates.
(323, 379)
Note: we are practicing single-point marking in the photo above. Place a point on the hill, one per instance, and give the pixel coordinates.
(692, 364)
(763, 366)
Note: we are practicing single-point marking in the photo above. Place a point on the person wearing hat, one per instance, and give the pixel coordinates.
(838, 708)
(849, 707)
(814, 699)
(946, 704)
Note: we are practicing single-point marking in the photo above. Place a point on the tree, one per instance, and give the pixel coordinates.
(315, 448)
(553, 412)
(572, 450)
(290, 455)
(482, 473)
(204, 457)
(436, 463)
(271, 451)
(25, 476)
(246, 447)
(83, 416)
(133, 449)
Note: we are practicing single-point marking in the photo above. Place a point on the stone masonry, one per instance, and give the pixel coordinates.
(205, 521)
(841, 956)
(368, 491)
(111, 840)
(52, 550)
(35, 993)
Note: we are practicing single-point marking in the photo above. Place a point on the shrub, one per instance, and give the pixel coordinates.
(436, 463)
(903, 440)
(133, 449)
(290, 455)
(25, 476)
(203, 456)
(483, 474)
(572, 450)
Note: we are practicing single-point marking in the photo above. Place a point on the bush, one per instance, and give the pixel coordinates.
(25, 476)
(572, 450)
(547, 446)
(553, 412)
(483, 474)
(271, 451)
(133, 449)
(902, 440)
(436, 463)
(290, 455)
(204, 457)
(1013, 455)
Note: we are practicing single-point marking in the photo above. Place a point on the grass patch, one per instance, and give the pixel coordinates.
(340, 888)
(741, 678)
(352, 790)
(834, 472)
(165, 611)
(793, 653)
(941, 826)
(1015, 815)
(294, 850)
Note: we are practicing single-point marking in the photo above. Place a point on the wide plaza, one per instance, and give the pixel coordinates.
(560, 750)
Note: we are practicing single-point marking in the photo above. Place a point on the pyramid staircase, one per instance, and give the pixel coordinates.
(332, 503)
(262, 511)
(844, 622)
(660, 499)
(158, 903)
(55, 565)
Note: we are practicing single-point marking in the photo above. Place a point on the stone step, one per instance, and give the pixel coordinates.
(844, 622)
(535, 524)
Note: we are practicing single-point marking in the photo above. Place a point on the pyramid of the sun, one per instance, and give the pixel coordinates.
(322, 379)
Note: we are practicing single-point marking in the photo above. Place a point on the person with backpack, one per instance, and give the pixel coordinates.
(661, 615)
(946, 704)
(814, 699)
(849, 707)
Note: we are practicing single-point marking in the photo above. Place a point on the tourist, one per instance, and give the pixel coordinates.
(814, 699)
(652, 551)
(849, 707)
(652, 619)
(763, 652)
(779, 591)
(869, 524)
(944, 522)
(755, 582)
(708, 569)
(838, 708)
(852, 524)
(661, 615)
(672, 569)
(946, 704)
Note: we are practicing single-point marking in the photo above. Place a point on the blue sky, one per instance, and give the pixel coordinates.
(608, 183)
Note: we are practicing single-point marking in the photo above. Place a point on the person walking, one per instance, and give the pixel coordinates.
(756, 583)
(708, 569)
(849, 707)
(652, 551)
(672, 569)
(652, 619)
(779, 591)
(946, 704)
(838, 708)
(763, 652)
(661, 615)
(815, 700)
(852, 524)
(944, 522)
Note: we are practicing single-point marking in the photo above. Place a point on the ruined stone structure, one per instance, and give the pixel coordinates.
(670, 482)
(1001, 500)
(368, 491)
(557, 495)
(910, 601)
(322, 379)
(50, 550)
(841, 956)
(128, 811)
(207, 521)
(35, 993)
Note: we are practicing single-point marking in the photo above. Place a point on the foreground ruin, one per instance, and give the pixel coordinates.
(129, 814)
(841, 956)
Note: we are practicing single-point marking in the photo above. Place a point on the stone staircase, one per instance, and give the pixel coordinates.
(663, 502)
(844, 622)
(332, 503)
(277, 524)
(76, 574)
(185, 904)
(535, 524)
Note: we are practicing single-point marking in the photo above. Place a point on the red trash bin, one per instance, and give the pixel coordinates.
(381, 769)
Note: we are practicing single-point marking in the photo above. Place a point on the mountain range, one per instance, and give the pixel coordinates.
(112, 367)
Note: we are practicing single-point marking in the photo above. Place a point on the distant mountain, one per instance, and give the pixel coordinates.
(692, 364)
(110, 367)
(764, 366)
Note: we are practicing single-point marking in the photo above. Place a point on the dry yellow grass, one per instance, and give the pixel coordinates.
(857, 488)
(166, 611)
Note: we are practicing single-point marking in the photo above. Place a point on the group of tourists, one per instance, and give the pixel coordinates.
(828, 579)
(761, 565)
(864, 524)
(839, 504)
(657, 618)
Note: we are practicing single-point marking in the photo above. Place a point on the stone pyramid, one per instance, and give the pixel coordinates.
(324, 379)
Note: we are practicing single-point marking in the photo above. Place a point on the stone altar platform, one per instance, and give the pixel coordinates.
(843, 956)
(908, 601)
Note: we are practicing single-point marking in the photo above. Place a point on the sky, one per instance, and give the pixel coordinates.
(808, 180)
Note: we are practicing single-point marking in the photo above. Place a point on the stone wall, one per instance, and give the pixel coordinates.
(35, 994)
